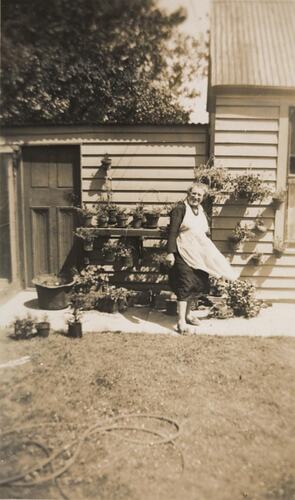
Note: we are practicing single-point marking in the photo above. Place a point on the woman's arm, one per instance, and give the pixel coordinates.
(176, 218)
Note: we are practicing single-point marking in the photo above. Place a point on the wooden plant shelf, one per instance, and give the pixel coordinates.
(95, 232)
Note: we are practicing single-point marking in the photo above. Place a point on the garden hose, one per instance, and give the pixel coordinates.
(96, 428)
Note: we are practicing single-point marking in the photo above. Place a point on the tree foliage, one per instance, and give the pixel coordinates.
(94, 61)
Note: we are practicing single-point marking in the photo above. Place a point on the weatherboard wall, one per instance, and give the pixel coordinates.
(250, 133)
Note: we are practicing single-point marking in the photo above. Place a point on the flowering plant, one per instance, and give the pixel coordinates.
(217, 178)
(251, 187)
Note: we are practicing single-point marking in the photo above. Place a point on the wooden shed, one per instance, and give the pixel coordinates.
(251, 101)
(46, 170)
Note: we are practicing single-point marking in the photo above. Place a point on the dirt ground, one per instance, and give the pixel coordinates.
(233, 398)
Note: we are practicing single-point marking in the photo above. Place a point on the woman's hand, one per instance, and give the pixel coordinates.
(170, 259)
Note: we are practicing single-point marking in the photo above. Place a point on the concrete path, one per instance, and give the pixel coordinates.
(278, 320)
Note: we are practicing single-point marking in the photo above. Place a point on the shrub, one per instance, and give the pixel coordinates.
(239, 297)
(89, 279)
(251, 187)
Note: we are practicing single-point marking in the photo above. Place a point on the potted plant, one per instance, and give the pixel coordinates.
(239, 234)
(218, 179)
(102, 215)
(278, 197)
(112, 213)
(138, 215)
(86, 215)
(106, 162)
(74, 317)
(53, 291)
(109, 251)
(152, 216)
(112, 299)
(124, 256)
(279, 247)
(24, 328)
(256, 259)
(160, 260)
(260, 225)
(250, 187)
(217, 290)
(43, 327)
(122, 217)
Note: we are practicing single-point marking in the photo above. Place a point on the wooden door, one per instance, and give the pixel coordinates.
(51, 178)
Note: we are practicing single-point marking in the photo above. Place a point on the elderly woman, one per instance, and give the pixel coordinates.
(192, 256)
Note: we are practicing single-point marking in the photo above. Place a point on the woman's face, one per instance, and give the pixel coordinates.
(195, 196)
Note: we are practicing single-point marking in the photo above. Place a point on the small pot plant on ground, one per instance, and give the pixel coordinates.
(52, 291)
(43, 326)
(239, 234)
(112, 299)
(23, 327)
(75, 315)
(238, 299)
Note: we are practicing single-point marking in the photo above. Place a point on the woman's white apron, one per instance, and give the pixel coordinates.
(197, 250)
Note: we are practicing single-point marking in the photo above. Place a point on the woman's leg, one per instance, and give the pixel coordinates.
(181, 313)
(192, 320)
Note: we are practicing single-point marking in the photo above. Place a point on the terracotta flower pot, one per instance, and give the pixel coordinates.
(102, 221)
(43, 328)
(152, 220)
(109, 256)
(88, 245)
(171, 307)
(122, 220)
(137, 222)
(53, 297)
(88, 220)
(75, 329)
(125, 261)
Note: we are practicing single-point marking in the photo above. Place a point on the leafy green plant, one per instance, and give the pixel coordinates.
(77, 303)
(218, 179)
(256, 259)
(51, 280)
(250, 186)
(238, 296)
(91, 278)
(153, 210)
(118, 74)
(24, 328)
(241, 299)
(138, 211)
(241, 233)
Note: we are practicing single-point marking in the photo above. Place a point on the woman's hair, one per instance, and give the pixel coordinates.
(199, 185)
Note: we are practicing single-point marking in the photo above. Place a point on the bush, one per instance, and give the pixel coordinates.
(239, 297)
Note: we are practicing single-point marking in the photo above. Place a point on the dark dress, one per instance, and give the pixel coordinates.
(183, 279)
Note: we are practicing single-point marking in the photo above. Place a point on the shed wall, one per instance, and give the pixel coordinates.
(248, 135)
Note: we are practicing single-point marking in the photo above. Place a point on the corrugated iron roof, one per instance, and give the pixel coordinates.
(253, 43)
